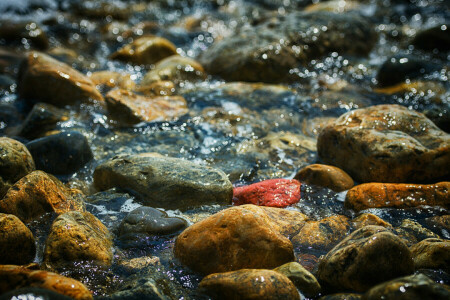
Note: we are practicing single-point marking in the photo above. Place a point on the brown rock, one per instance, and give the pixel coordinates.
(158, 88)
(323, 234)
(341, 296)
(17, 244)
(386, 143)
(130, 108)
(48, 80)
(369, 219)
(289, 221)
(14, 277)
(145, 50)
(15, 162)
(366, 257)
(326, 176)
(175, 68)
(113, 79)
(233, 239)
(431, 253)
(440, 224)
(412, 232)
(301, 278)
(36, 194)
(376, 195)
(249, 284)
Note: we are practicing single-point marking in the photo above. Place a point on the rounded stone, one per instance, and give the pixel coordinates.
(17, 245)
(432, 253)
(437, 37)
(327, 176)
(412, 232)
(369, 219)
(302, 278)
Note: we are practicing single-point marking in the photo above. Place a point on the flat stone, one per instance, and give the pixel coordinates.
(17, 245)
(431, 253)
(301, 278)
(366, 257)
(165, 182)
(386, 143)
(327, 176)
(249, 284)
(235, 238)
(379, 195)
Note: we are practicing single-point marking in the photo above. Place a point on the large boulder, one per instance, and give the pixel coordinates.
(267, 51)
(165, 182)
(386, 143)
(15, 162)
(48, 80)
(17, 244)
(366, 257)
(232, 239)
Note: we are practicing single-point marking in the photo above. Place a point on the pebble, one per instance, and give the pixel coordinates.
(431, 253)
(17, 244)
(326, 176)
(305, 282)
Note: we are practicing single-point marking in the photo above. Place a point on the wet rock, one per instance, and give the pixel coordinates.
(36, 194)
(341, 296)
(326, 176)
(165, 182)
(440, 224)
(75, 237)
(16, 32)
(130, 108)
(100, 10)
(272, 192)
(149, 221)
(16, 241)
(412, 232)
(33, 293)
(289, 222)
(45, 79)
(308, 261)
(335, 6)
(232, 239)
(175, 68)
(268, 51)
(15, 162)
(431, 253)
(433, 38)
(369, 219)
(139, 263)
(366, 257)
(14, 277)
(323, 234)
(416, 286)
(301, 278)
(386, 143)
(377, 195)
(158, 88)
(113, 79)
(61, 153)
(41, 119)
(249, 284)
(145, 51)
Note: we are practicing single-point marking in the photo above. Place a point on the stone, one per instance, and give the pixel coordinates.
(369, 219)
(149, 221)
(289, 222)
(137, 264)
(175, 68)
(386, 143)
(41, 119)
(272, 192)
(301, 278)
(439, 224)
(341, 296)
(327, 176)
(266, 52)
(145, 51)
(235, 238)
(322, 235)
(417, 286)
(36, 194)
(378, 195)
(412, 232)
(75, 237)
(165, 182)
(16, 32)
(113, 79)
(431, 253)
(335, 6)
(130, 108)
(14, 277)
(249, 284)
(366, 257)
(17, 245)
(437, 37)
(33, 293)
(62, 153)
(158, 88)
(45, 79)
(15, 162)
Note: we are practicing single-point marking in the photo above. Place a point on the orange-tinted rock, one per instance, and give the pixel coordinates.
(323, 234)
(158, 88)
(249, 284)
(113, 79)
(130, 108)
(78, 236)
(369, 219)
(232, 239)
(431, 253)
(308, 261)
(48, 80)
(376, 195)
(14, 277)
(16, 162)
(272, 192)
(326, 176)
(289, 221)
(36, 194)
(145, 50)
(16, 241)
